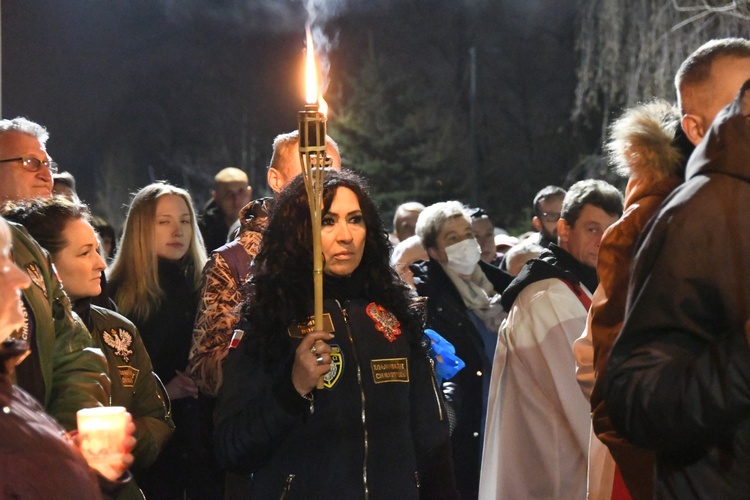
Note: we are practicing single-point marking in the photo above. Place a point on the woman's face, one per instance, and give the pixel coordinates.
(79, 264)
(174, 228)
(343, 234)
(12, 281)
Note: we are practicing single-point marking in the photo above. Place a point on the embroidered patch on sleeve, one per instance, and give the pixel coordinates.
(385, 321)
(120, 341)
(390, 370)
(337, 367)
(32, 269)
(129, 375)
(236, 338)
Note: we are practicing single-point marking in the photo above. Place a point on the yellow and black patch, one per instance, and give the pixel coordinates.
(390, 370)
(337, 367)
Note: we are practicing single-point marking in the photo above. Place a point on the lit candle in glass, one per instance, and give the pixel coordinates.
(102, 434)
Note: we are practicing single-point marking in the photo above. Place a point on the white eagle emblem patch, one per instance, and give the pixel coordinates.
(120, 341)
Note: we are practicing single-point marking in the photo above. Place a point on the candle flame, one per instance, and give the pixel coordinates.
(311, 72)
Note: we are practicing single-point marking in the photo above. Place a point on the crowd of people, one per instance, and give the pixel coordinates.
(603, 355)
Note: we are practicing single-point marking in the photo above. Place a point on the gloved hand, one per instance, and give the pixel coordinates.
(447, 364)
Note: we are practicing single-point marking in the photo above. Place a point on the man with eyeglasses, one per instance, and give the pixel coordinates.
(63, 371)
(547, 206)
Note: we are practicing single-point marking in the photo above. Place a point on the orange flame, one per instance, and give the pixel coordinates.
(311, 72)
(323, 106)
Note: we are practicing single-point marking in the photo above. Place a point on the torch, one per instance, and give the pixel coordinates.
(313, 158)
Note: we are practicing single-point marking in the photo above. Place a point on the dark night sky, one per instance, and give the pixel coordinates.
(100, 73)
(60, 68)
(73, 66)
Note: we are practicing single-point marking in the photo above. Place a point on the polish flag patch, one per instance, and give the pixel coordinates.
(236, 338)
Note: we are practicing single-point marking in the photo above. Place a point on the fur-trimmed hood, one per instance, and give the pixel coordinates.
(647, 141)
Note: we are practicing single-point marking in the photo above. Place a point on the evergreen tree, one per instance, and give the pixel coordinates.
(392, 128)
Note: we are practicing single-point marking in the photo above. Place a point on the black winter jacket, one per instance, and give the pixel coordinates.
(378, 429)
(212, 226)
(553, 262)
(447, 315)
(679, 374)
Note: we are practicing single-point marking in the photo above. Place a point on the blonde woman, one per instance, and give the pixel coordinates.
(154, 281)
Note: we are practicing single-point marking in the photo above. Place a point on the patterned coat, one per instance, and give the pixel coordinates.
(218, 310)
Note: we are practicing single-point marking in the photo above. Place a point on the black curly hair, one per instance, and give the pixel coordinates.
(280, 293)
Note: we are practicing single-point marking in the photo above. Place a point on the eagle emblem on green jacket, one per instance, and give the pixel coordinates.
(120, 341)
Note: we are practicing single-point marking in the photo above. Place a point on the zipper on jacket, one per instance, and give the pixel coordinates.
(435, 389)
(287, 487)
(362, 397)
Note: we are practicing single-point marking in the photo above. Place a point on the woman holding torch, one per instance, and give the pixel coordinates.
(378, 427)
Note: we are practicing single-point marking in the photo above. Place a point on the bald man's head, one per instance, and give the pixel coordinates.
(285, 161)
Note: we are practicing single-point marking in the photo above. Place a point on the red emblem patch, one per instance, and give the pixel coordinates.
(385, 321)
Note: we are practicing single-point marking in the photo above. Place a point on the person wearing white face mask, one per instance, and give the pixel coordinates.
(464, 307)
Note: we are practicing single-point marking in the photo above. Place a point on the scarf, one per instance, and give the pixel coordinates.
(479, 296)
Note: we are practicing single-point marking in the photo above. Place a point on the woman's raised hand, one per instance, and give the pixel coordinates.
(312, 360)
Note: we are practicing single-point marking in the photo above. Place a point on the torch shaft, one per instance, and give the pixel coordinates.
(317, 261)
(312, 152)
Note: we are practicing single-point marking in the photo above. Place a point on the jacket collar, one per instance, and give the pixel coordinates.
(553, 262)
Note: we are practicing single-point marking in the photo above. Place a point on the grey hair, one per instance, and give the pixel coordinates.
(288, 140)
(432, 218)
(24, 126)
(405, 208)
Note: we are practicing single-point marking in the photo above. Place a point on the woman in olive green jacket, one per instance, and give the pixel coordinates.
(63, 228)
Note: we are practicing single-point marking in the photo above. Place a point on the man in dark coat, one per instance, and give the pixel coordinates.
(677, 380)
(231, 192)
